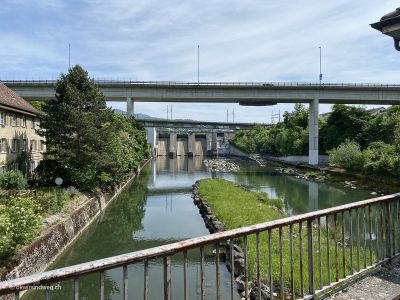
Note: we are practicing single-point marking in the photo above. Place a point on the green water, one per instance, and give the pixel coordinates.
(157, 209)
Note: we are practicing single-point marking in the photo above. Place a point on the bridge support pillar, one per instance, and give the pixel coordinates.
(172, 144)
(214, 146)
(130, 106)
(191, 144)
(151, 136)
(313, 152)
(209, 143)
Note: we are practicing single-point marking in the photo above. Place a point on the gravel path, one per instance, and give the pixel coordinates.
(383, 285)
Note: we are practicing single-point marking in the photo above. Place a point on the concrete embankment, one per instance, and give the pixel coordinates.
(40, 253)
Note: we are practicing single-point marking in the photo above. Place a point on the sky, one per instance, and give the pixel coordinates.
(240, 40)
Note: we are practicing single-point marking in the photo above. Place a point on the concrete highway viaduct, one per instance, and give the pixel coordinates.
(250, 94)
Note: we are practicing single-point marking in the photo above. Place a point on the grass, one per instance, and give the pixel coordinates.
(236, 207)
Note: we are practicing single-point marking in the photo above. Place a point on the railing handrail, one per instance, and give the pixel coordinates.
(229, 84)
(69, 272)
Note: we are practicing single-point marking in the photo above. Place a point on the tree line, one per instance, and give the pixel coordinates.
(353, 138)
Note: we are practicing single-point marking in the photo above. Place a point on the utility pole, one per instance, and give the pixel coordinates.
(198, 64)
(227, 116)
(167, 111)
(320, 65)
(275, 116)
(171, 112)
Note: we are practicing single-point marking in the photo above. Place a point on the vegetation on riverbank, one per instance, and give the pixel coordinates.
(236, 207)
(88, 145)
(354, 139)
(22, 213)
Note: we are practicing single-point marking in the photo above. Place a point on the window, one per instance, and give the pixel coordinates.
(24, 145)
(33, 145)
(14, 120)
(33, 123)
(15, 145)
(42, 145)
(23, 121)
(2, 169)
(2, 118)
(3, 145)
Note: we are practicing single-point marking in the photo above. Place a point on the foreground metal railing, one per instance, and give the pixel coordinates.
(341, 242)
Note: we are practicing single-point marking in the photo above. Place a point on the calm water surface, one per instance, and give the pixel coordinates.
(157, 209)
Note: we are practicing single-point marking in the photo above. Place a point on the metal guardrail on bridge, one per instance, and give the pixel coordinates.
(188, 83)
(342, 242)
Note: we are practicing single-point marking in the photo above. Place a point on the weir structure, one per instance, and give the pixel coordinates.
(244, 93)
(189, 138)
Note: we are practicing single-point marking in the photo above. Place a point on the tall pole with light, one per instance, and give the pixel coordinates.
(320, 65)
(198, 64)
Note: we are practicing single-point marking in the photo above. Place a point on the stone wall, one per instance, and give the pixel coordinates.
(38, 255)
(214, 225)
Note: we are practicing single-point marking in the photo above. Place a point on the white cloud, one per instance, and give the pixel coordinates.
(239, 41)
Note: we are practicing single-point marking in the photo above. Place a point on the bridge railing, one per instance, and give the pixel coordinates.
(188, 83)
(301, 256)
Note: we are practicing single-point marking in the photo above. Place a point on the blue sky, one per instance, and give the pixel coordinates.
(239, 41)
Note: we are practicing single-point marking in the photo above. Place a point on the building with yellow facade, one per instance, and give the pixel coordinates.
(20, 145)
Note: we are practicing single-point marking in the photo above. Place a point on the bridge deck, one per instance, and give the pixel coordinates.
(245, 93)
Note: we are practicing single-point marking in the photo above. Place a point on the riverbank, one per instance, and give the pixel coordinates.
(379, 186)
(40, 253)
(220, 202)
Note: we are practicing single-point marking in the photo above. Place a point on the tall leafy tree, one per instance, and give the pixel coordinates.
(77, 126)
(344, 123)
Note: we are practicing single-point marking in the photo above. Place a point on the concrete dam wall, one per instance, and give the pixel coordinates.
(186, 144)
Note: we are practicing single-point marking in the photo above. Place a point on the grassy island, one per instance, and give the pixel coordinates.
(237, 207)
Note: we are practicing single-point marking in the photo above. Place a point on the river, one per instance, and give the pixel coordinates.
(157, 209)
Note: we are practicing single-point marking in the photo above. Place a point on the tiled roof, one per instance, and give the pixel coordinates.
(11, 99)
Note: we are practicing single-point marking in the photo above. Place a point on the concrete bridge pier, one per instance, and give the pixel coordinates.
(191, 144)
(313, 152)
(214, 145)
(172, 144)
(151, 136)
(130, 108)
(209, 143)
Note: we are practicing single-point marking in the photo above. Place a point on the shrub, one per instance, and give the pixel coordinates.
(381, 159)
(19, 224)
(52, 199)
(5, 233)
(12, 180)
(347, 155)
(48, 170)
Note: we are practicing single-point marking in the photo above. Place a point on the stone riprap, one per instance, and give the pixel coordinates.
(221, 165)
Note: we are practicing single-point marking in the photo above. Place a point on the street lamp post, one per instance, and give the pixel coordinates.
(320, 65)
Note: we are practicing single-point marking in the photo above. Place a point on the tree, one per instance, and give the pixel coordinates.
(345, 122)
(77, 127)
